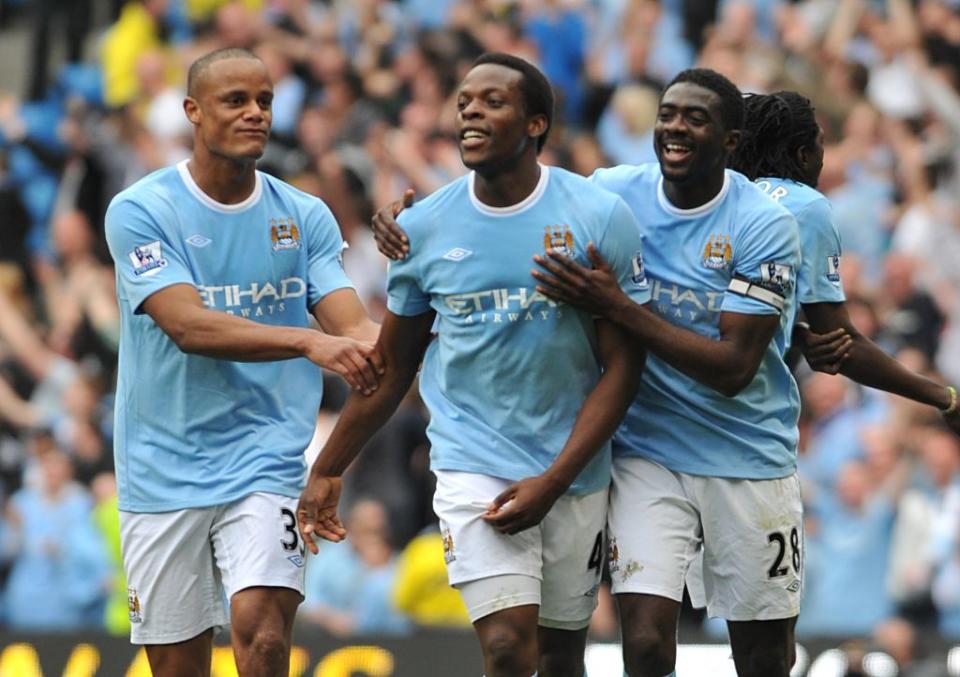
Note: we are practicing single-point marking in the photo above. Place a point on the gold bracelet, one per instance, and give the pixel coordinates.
(953, 402)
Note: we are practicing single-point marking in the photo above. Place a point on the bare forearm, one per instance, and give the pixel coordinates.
(869, 365)
(15, 410)
(227, 337)
(361, 418)
(713, 362)
(601, 413)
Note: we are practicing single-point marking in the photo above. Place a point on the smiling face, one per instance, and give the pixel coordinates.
(231, 108)
(492, 122)
(690, 138)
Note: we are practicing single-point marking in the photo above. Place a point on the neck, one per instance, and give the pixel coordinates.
(226, 180)
(694, 192)
(508, 187)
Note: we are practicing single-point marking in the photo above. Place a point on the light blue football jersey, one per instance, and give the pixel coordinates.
(193, 431)
(819, 277)
(510, 369)
(737, 253)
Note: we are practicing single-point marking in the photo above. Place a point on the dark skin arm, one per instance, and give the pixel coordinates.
(401, 345)
(391, 240)
(866, 363)
(181, 314)
(726, 364)
(525, 503)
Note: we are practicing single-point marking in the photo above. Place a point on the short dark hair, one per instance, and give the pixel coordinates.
(731, 99)
(777, 126)
(198, 67)
(538, 97)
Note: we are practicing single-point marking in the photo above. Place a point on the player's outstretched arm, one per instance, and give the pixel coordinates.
(179, 311)
(726, 364)
(867, 364)
(525, 503)
(402, 342)
(391, 240)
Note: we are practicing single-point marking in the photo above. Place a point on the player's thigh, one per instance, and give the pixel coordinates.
(573, 553)
(473, 549)
(653, 529)
(752, 547)
(173, 587)
(257, 544)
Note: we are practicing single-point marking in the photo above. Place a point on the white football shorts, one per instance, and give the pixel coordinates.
(182, 566)
(744, 538)
(556, 565)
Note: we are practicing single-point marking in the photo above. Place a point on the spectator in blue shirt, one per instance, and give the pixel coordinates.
(59, 574)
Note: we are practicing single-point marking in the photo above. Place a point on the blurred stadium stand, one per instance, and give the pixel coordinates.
(362, 111)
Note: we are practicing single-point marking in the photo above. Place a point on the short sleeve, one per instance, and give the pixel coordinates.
(145, 259)
(766, 259)
(819, 278)
(622, 247)
(405, 293)
(324, 255)
(613, 179)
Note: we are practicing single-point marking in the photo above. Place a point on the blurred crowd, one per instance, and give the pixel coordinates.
(363, 110)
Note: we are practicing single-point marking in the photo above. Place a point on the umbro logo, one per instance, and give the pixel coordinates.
(198, 240)
(457, 254)
(794, 586)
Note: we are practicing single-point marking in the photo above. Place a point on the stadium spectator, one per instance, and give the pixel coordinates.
(926, 522)
(137, 30)
(421, 589)
(847, 556)
(59, 579)
(347, 587)
(74, 15)
(893, 181)
(834, 431)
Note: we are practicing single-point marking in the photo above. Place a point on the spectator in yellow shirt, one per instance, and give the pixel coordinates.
(420, 587)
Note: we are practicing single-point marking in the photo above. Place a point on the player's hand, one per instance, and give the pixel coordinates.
(523, 504)
(595, 290)
(823, 352)
(358, 362)
(317, 511)
(391, 240)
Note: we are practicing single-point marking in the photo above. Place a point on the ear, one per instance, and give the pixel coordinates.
(537, 126)
(803, 155)
(733, 140)
(192, 108)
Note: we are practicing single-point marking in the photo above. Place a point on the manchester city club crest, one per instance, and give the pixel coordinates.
(613, 554)
(558, 238)
(449, 553)
(284, 234)
(133, 606)
(717, 253)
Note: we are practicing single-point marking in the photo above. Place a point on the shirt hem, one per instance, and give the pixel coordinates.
(171, 506)
(726, 472)
(574, 490)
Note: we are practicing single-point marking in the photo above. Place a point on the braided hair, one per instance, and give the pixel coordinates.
(777, 126)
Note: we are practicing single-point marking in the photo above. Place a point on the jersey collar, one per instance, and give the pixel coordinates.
(522, 206)
(196, 191)
(696, 211)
